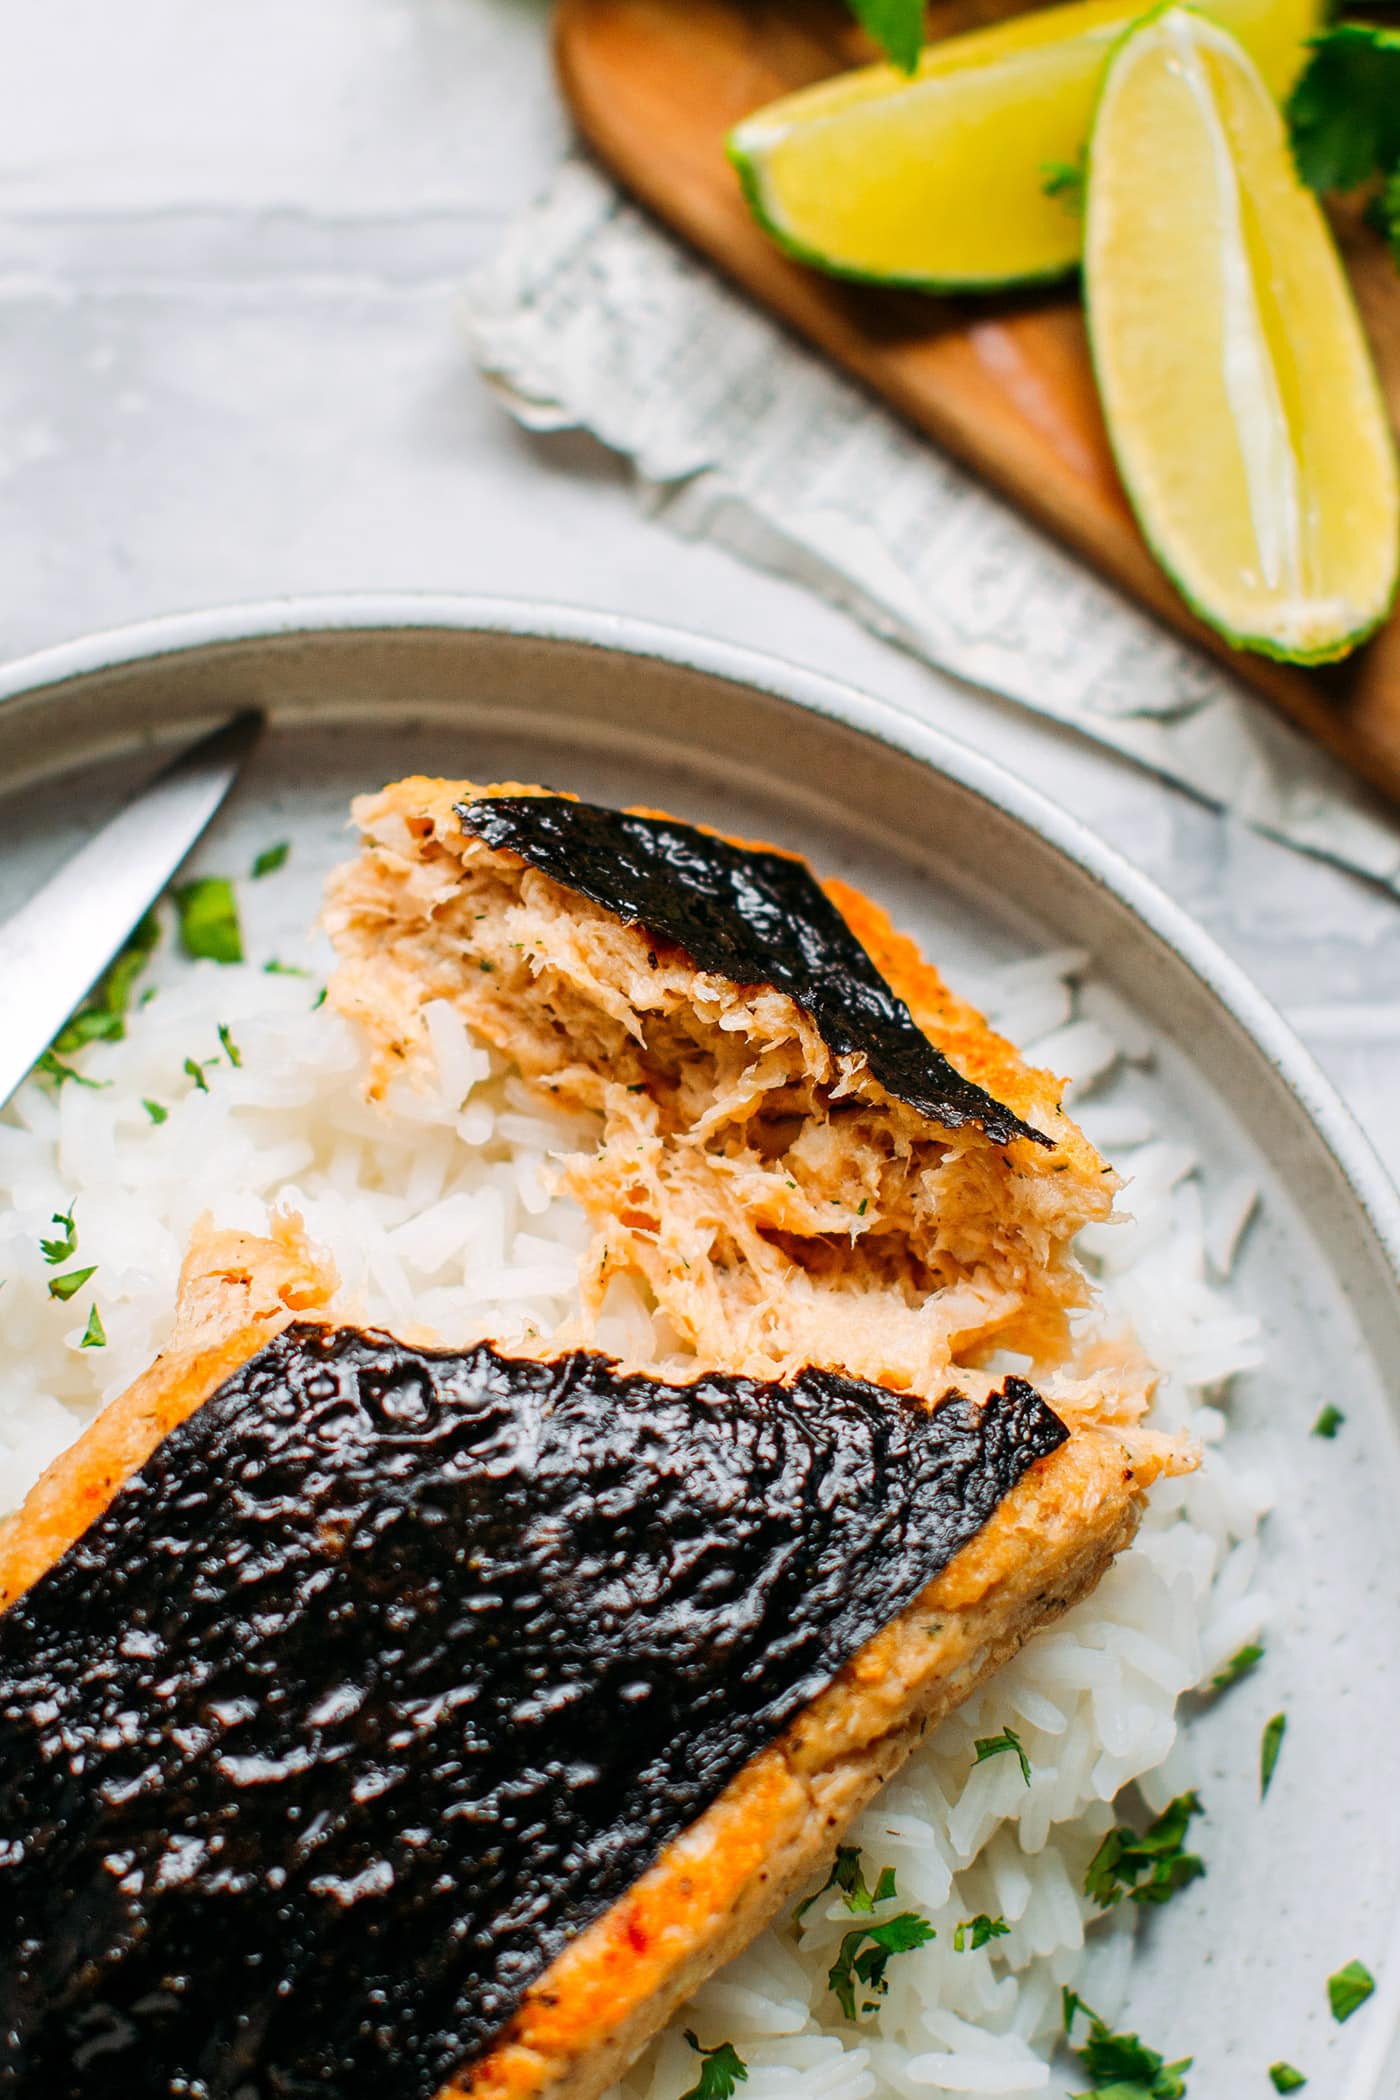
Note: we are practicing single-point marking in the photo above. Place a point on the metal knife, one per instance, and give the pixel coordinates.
(57, 945)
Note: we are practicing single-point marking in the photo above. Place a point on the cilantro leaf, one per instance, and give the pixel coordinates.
(54, 1068)
(194, 1069)
(1344, 112)
(1328, 1422)
(861, 1963)
(1121, 2066)
(721, 2070)
(848, 1875)
(95, 1334)
(1122, 1861)
(981, 1929)
(154, 1110)
(1285, 2079)
(1066, 179)
(1240, 1664)
(1271, 1742)
(231, 1049)
(897, 27)
(1350, 1987)
(65, 1287)
(271, 859)
(59, 1250)
(281, 969)
(993, 1745)
(209, 928)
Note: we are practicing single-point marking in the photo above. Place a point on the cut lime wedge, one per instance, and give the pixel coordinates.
(1240, 396)
(939, 181)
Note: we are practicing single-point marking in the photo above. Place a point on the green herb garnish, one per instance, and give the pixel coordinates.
(1344, 113)
(271, 859)
(281, 969)
(897, 27)
(154, 1110)
(1122, 2067)
(866, 1954)
(209, 929)
(102, 1015)
(993, 1745)
(54, 1068)
(231, 1049)
(848, 1875)
(95, 1334)
(975, 1932)
(1270, 1743)
(1350, 1987)
(195, 1071)
(59, 1250)
(1239, 1665)
(65, 1287)
(1328, 1422)
(1285, 2079)
(1066, 179)
(1150, 1868)
(721, 2070)
(320, 999)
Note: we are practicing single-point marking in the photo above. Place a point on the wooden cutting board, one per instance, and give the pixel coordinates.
(1004, 383)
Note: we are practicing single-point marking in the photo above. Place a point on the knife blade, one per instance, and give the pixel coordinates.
(55, 947)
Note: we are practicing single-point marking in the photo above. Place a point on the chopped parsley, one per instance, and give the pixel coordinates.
(320, 998)
(1344, 113)
(271, 859)
(65, 1287)
(231, 1049)
(1328, 1422)
(1150, 1868)
(848, 1875)
(1350, 1987)
(54, 1068)
(194, 1069)
(975, 1932)
(154, 1110)
(281, 969)
(721, 2070)
(1065, 179)
(866, 1954)
(863, 1206)
(102, 1015)
(1121, 2066)
(1240, 1664)
(897, 27)
(209, 929)
(1285, 2079)
(993, 1745)
(1271, 1742)
(60, 1250)
(95, 1334)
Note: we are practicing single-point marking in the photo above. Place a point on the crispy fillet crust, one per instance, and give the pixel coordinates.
(236, 1292)
(779, 1205)
(715, 1888)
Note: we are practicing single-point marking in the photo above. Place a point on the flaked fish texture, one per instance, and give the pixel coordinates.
(379, 1718)
(810, 1150)
(751, 915)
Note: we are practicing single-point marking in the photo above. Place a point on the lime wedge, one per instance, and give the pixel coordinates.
(1237, 384)
(938, 181)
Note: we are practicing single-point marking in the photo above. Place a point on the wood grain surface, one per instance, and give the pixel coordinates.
(1005, 382)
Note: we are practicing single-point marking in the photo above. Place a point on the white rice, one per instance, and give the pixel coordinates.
(439, 1216)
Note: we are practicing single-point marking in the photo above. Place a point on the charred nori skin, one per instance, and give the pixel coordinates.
(390, 1670)
(753, 916)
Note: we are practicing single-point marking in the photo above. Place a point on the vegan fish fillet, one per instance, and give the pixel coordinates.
(810, 1150)
(383, 1720)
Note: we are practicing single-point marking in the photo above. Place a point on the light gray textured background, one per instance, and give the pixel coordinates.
(232, 241)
